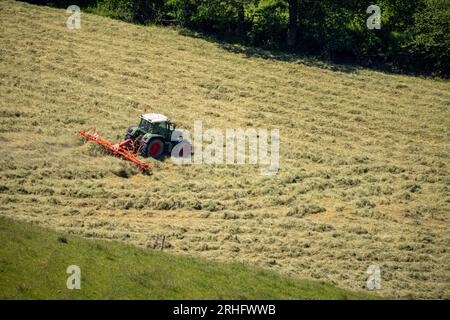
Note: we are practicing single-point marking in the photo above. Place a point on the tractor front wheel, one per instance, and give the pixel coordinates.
(153, 148)
(128, 134)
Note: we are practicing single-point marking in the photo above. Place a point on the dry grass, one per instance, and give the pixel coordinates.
(364, 175)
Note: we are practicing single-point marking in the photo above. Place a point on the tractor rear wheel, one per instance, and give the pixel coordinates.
(153, 148)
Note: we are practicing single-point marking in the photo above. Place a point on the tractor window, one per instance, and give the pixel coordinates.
(145, 125)
(160, 128)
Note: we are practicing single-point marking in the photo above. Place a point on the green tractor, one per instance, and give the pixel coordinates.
(153, 136)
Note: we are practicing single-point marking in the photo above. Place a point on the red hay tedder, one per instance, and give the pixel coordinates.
(124, 149)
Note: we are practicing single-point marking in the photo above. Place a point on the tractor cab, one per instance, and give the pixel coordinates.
(158, 124)
(153, 135)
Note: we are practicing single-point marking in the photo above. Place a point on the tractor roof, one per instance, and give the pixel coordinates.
(154, 117)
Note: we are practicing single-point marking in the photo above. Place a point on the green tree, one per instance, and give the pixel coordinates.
(430, 43)
(140, 11)
(293, 23)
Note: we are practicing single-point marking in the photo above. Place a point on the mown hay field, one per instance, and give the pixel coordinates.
(364, 171)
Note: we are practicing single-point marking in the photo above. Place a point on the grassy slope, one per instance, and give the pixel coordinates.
(369, 148)
(33, 263)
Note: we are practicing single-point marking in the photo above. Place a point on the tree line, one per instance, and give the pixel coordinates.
(414, 35)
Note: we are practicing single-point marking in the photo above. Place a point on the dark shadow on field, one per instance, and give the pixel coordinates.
(237, 47)
(61, 3)
(346, 65)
